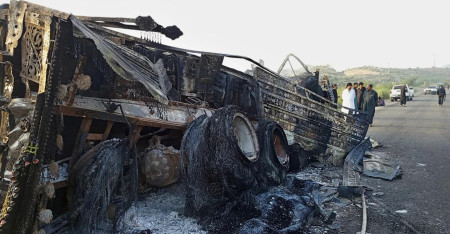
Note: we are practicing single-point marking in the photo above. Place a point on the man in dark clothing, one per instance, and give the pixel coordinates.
(359, 95)
(403, 92)
(441, 94)
(335, 87)
(355, 87)
(380, 102)
(370, 98)
(316, 73)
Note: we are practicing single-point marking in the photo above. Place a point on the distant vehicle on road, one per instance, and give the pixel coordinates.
(394, 93)
(432, 89)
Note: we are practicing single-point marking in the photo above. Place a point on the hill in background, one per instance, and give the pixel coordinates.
(384, 78)
(412, 76)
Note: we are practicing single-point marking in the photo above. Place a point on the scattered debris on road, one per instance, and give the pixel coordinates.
(376, 166)
(378, 194)
(375, 144)
(401, 211)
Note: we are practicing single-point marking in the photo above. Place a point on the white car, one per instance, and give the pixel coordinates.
(432, 89)
(394, 93)
(411, 89)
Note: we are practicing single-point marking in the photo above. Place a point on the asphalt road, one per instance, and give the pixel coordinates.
(418, 138)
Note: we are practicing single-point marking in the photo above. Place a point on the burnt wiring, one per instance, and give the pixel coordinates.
(111, 107)
(153, 133)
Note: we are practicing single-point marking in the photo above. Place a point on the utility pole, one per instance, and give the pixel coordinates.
(434, 60)
(434, 65)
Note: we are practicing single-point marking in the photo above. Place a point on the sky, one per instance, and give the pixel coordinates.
(341, 33)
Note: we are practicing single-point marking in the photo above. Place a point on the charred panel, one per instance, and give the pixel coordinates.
(317, 127)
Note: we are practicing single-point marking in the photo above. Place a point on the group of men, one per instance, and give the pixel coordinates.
(358, 97)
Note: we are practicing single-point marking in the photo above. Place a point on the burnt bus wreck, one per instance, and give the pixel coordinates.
(91, 116)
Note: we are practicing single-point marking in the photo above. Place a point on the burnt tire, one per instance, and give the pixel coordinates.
(96, 178)
(298, 158)
(220, 151)
(273, 164)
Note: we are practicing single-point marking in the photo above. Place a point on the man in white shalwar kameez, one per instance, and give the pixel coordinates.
(348, 99)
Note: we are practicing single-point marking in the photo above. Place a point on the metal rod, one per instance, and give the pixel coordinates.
(153, 133)
(364, 221)
(292, 67)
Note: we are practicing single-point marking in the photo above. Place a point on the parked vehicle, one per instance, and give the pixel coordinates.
(394, 93)
(432, 89)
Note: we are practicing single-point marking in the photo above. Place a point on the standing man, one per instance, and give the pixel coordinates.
(370, 99)
(403, 92)
(355, 88)
(348, 99)
(441, 94)
(359, 95)
(335, 87)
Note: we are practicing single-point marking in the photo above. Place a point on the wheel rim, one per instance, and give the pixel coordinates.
(280, 145)
(246, 137)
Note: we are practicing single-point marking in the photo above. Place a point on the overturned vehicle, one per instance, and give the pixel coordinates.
(91, 116)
